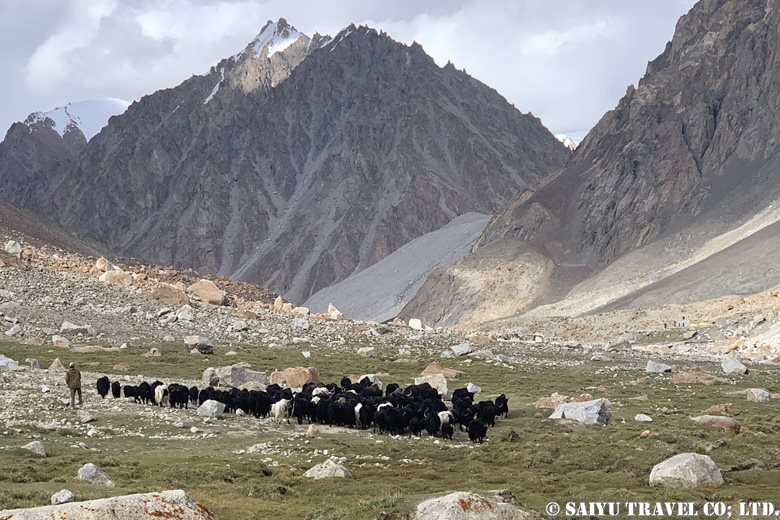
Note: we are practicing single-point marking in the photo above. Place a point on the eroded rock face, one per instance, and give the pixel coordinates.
(167, 504)
(687, 149)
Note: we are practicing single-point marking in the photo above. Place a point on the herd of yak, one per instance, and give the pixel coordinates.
(397, 411)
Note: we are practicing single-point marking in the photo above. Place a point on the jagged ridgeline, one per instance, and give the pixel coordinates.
(294, 163)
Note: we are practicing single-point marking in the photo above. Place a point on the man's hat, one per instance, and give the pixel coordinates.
(72, 365)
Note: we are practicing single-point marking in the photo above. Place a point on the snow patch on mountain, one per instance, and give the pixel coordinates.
(90, 116)
(216, 87)
(274, 36)
(394, 280)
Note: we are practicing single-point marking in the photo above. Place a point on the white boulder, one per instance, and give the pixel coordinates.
(94, 475)
(688, 470)
(587, 412)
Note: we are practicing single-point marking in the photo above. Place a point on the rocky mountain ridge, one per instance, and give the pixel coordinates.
(296, 162)
(683, 168)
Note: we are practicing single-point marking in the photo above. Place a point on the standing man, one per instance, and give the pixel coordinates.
(73, 380)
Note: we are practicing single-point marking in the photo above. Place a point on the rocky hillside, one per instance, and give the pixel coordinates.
(683, 168)
(298, 161)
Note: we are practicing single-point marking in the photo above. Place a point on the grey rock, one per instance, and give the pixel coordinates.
(463, 505)
(63, 496)
(211, 408)
(60, 341)
(474, 389)
(587, 412)
(758, 395)
(7, 363)
(36, 448)
(366, 351)
(732, 365)
(198, 343)
(185, 313)
(85, 416)
(462, 349)
(14, 248)
(653, 367)
(14, 331)
(237, 375)
(330, 468)
(239, 326)
(71, 328)
(94, 475)
(166, 504)
(688, 470)
(300, 323)
(34, 363)
(643, 418)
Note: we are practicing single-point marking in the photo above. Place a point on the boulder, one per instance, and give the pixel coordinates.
(238, 374)
(462, 349)
(366, 351)
(207, 291)
(717, 421)
(36, 448)
(253, 385)
(688, 470)
(437, 381)
(587, 412)
(301, 323)
(463, 505)
(295, 377)
(211, 408)
(170, 295)
(313, 431)
(34, 363)
(167, 504)
(62, 497)
(472, 388)
(657, 368)
(415, 324)
(103, 264)
(116, 277)
(7, 363)
(436, 368)
(15, 330)
(334, 313)
(94, 475)
(278, 303)
(732, 365)
(696, 377)
(85, 417)
(374, 380)
(209, 377)
(13, 248)
(239, 326)
(198, 343)
(331, 468)
(56, 367)
(60, 342)
(640, 417)
(71, 328)
(185, 313)
(303, 311)
(758, 395)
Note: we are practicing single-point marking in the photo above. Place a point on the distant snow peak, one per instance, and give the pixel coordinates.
(567, 141)
(90, 116)
(274, 36)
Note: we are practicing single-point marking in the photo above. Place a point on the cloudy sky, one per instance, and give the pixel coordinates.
(567, 61)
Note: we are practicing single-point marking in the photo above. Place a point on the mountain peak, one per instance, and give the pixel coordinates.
(89, 115)
(273, 37)
(567, 141)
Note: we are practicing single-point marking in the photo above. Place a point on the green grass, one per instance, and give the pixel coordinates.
(550, 462)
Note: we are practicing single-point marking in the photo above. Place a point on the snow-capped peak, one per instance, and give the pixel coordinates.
(567, 141)
(90, 116)
(274, 36)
